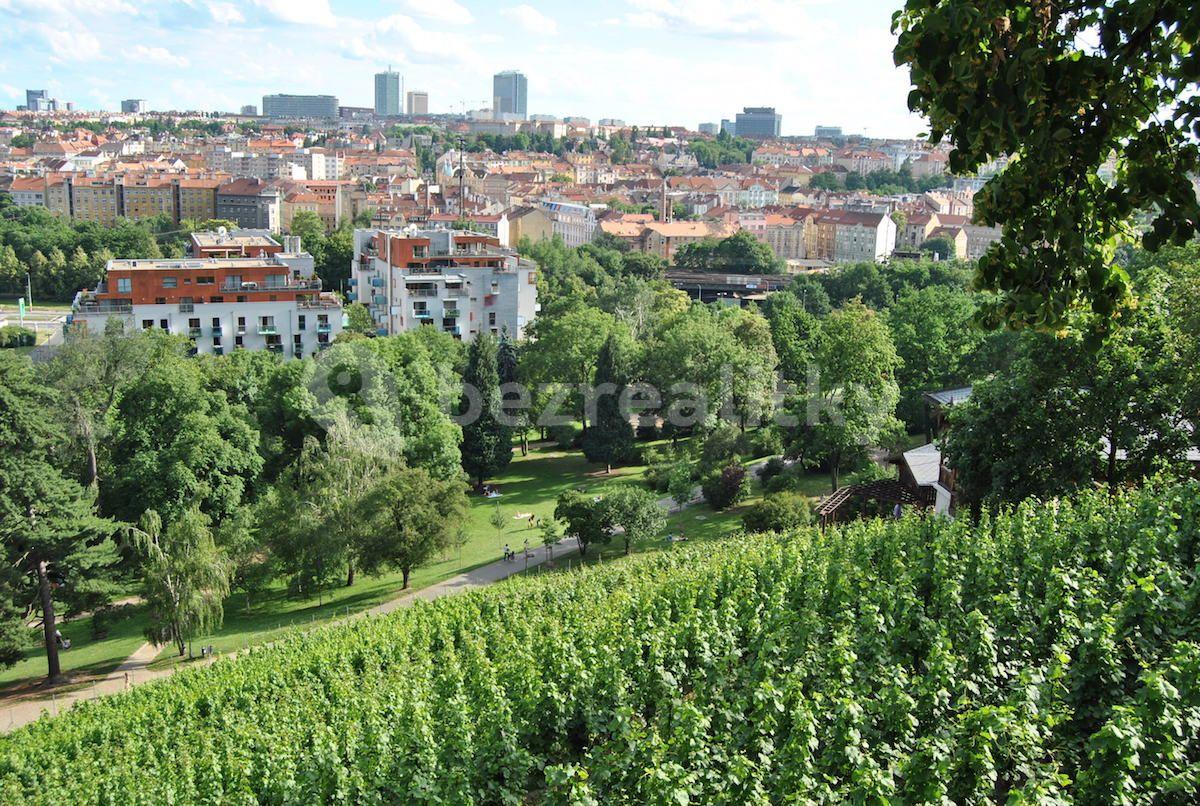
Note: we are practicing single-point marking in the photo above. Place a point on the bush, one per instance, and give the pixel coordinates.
(760, 442)
(720, 446)
(778, 513)
(725, 487)
(565, 436)
(17, 336)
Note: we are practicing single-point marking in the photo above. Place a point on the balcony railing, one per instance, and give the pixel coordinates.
(251, 288)
(422, 292)
(104, 308)
(422, 315)
(267, 330)
(377, 282)
(324, 327)
(275, 348)
(216, 330)
(451, 313)
(194, 332)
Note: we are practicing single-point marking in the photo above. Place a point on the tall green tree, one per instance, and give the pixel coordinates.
(185, 577)
(175, 445)
(610, 440)
(409, 517)
(1061, 88)
(635, 512)
(55, 547)
(487, 444)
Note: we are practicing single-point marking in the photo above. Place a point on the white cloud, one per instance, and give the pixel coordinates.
(300, 12)
(440, 10)
(722, 19)
(225, 13)
(154, 54)
(531, 19)
(71, 45)
(72, 8)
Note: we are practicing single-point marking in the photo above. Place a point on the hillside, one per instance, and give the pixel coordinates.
(1053, 654)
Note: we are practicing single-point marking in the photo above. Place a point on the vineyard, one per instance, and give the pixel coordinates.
(1050, 655)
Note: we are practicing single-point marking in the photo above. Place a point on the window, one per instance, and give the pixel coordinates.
(170, 282)
(147, 324)
(194, 323)
(216, 299)
(216, 321)
(299, 324)
(205, 280)
(296, 339)
(241, 298)
(164, 324)
(160, 300)
(491, 318)
(124, 285)
(216, 341)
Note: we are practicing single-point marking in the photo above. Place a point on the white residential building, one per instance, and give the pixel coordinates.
(462, 283)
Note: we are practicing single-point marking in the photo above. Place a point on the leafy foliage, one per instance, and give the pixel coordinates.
(1049, 655)
(1061, 88)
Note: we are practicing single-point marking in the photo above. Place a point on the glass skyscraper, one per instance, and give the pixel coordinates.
(387, 93)
(509, 95)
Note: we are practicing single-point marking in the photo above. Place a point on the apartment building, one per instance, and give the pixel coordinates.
(148, 197)
(28, 191)
(273, 302)
(240, 243)
(463, 283)
(861, 237)
(251, 203)
(574, 223)
(197, 199)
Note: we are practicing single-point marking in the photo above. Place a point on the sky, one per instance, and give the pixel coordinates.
(676, 62)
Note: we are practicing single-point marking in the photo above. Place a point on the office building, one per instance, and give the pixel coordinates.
(272, 302)
(300, 106)
(758, 122)
(249, 111)
(134, 106)
(387, 93)
(709, 128)
(463, 283)
(509, 95)
(827, 132)
(40, 101)
(418, 102)
(729, 127)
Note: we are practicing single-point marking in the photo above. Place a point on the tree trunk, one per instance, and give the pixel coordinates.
(49, 630)
(350, 575)
(1112, 464)
(404, 572)
(833, 472)
(608, 467)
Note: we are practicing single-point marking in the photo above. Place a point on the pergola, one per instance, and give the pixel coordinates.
(889, 491)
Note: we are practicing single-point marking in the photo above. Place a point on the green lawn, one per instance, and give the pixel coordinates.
(9, 305)
(86, 656)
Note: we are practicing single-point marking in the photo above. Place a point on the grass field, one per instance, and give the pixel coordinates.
(86, 656)
(530, 485)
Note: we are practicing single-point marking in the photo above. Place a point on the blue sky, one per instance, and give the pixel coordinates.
(661, 61)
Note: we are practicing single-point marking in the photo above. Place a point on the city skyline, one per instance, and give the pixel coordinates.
(648, 61)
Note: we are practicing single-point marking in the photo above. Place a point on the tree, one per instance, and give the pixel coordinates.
(855, 403)
(794, 333)
(176, 445)
(635, 512)
(610, 440)
(940, 246)
(584, 518)
(185, 577)
(55, 547)
(358, 319)
(409, 517)
(487, 444)
(825, 180)
(565, 350)
(1023, 79)
(936, 339)
(22, 140)
(680, 485)
(551, 531)
(741, 253)
(511, 404)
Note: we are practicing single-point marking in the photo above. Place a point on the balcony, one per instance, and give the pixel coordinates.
(353, 282)
(194, 332)
(218, 350)
(253, 288)
(377, 282)
(422, 315)
(324, 327)
(267, 330)
(275, 348)
(103, 307)
(451, 313)
(298, 351)
(379, 299)
(422, 292)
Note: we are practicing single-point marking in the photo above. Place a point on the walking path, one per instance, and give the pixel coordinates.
(135, 670)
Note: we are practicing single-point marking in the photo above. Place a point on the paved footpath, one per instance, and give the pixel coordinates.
(135, 670)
